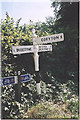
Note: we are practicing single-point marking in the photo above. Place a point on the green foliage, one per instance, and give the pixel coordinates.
(73, 105)
(16, 35)
(59, 101)
(12, 36)
(65, 104)
(66, 53)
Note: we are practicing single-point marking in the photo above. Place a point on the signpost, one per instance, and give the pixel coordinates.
(35, 48)
(43, 40)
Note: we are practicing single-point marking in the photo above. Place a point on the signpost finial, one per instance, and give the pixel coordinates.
(34, 35)
(33, 31)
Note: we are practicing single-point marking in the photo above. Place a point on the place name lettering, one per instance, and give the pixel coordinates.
(23, 49)
(51, 38)
(43, 48)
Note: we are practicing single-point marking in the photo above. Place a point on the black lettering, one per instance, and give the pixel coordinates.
(60, 36)
(24, 49)
(46, 38)
(45, 47)
(39, 47)
(52, 38)
(17, 50)
(49, 38)
(42, 39)
(57, 37)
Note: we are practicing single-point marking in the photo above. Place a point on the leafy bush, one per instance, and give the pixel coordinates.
(59, 101)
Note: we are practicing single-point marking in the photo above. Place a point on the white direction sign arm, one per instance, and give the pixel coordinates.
(22, 49)
(43, 48)
(30, 49)
(49, 39)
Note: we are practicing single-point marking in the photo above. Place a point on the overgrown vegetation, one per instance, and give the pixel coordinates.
(58, 69)
(58, 102)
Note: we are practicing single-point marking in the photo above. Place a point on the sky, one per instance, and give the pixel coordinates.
(35, 10)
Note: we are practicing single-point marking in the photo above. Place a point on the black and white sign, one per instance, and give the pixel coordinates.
(30, 49)
(49, 39)
(22, 49)
(43, 48)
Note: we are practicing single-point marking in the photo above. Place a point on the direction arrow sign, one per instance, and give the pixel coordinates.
(49, 39)
(43, 48)
(25, 78)
(30, 49)
(22, 49)
(9, 80)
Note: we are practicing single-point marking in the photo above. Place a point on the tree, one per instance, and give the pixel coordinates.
(12, 36)
(66, 54)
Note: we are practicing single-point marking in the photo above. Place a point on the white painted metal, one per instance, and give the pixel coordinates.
(44, 87)
(43, 48)
(49, 39)
(38, 88)
(36, 61)
(16, 79)
(30, 49)
(36, 56)
(22, 49)
(38, 48)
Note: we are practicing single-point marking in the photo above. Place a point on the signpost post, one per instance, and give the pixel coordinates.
(21, 79)
(36, 61)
